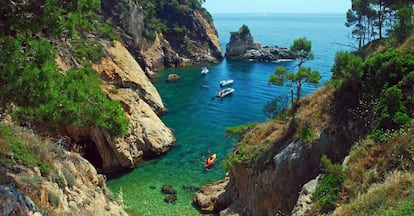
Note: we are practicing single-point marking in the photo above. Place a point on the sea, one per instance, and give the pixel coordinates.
(199, 119)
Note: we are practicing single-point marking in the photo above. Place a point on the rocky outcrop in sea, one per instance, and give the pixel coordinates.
(243, 47)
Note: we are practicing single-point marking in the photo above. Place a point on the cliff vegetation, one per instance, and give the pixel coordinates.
(32, 34)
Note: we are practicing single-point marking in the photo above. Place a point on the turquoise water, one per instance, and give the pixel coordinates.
(199, 119)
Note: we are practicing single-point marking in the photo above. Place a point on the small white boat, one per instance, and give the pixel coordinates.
(226, 82)
(204, 70)
(225, 92)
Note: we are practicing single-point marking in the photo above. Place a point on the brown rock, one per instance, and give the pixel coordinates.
(173, 78)
(211, 197)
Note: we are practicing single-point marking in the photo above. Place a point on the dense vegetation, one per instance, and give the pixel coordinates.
(165, 16)
(373, 19)
(31, 32)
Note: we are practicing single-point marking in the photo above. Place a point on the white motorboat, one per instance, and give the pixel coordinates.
(226, 82)
(204, 70)
(225, 92)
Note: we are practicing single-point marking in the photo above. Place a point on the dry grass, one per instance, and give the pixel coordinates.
(381, 197)
(315, 109)
(260, 142)
(378, 174)
(408, 45)
(370, 162)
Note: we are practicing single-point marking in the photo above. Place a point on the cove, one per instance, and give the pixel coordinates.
(199, 119)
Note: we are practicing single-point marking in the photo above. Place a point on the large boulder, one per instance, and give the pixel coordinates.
(212, 197)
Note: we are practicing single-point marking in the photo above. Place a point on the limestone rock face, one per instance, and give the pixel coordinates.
(122, 71)
(243, 47)
(126, 82)
(198, 44)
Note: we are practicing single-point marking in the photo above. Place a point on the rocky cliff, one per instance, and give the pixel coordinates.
(242, 46)
(192, 40)
(59, 183)
(126, 82)
(269, 183)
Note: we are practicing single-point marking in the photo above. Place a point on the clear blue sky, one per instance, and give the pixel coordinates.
(277, 6)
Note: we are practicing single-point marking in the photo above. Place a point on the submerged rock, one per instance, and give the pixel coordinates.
(168, 189)
(171, 198)
(190, 188)
(173, 78)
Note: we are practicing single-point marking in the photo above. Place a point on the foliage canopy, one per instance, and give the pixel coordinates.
(29, 76)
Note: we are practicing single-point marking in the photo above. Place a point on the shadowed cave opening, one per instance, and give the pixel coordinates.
(91, 153)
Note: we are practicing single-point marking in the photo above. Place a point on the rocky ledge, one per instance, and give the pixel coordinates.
(243, 47)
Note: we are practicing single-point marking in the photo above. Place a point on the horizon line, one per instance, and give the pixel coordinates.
(276, 12)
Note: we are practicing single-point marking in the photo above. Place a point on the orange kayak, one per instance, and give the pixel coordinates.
(210, 161)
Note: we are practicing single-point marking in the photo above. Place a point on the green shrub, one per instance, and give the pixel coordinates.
(326, 194)
(53, 199)
(385, 70)
(83, 50)
(390, 113)
(69, 176)
(347, 68)
(380, 136)
(43, 94)
(237, 157)
(238, 131)
(307, 135)
(405, 207)
(243, 31)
